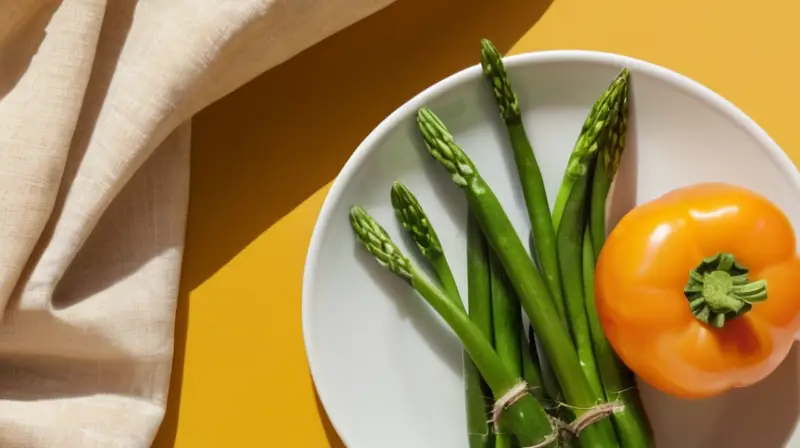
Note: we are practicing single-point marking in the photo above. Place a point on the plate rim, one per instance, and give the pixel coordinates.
(779, 157)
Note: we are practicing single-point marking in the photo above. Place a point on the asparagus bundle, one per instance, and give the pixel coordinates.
(619, 385)
(543, 241)
(556, 292)
(579, 240)
(569, 233)
(525, 417)
(525, 278)
(492, 307)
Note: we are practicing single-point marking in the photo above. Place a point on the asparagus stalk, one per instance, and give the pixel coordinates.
(509, 339)
(604, 172)
(506, 318)
(549, 381)
(552, 390)
(570, 240)
(525, 418)
(530, 176)
(532, 371)
(480, 312)
(570, 233)
(542, 241)
(414, 219)
(593, 132)
(416, 222)
(507, 326)
(518, 265)
(633, 428)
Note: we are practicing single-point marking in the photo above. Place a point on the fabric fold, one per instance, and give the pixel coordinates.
(96, 99)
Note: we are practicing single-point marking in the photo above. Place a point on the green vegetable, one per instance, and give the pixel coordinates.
(604, 119)
(552, 391)
(532, 371)
(413, 218)
(549, 380)
(530, 176)
(518, 265)
(506, 318)
(503, 440)
(525, 418)
(592, 137)
(479, 298)
(507, 325)
(601, 123)
(570, 240)
(604, 172)
(633, 428)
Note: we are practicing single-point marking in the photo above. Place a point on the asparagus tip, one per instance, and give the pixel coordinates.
(489, 54)
(495, 72)
(413, 218)
(428, 121)
(611, 154)
(398, 192)
(402, 199)
(378, 242)
(442, 146)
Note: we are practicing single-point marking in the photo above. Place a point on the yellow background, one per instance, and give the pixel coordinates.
(263, 158)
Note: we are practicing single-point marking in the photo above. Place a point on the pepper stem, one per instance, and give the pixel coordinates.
(718, 290)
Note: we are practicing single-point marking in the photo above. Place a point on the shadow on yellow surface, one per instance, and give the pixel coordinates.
(261, 151)
(268, 146)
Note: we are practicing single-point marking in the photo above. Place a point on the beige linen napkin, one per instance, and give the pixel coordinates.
(95, 102)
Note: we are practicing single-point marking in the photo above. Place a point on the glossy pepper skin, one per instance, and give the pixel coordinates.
(682, 329)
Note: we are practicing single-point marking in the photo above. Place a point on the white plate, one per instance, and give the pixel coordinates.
(387, 369)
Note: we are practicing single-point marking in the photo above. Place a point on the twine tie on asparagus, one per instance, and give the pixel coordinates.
(593, 415)
(512, 396)
(508, 399)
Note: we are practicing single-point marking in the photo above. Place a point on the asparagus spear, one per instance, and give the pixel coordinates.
(506, 318)
(526, 280)
(570, 240)
(532, 370)
(549, 380)
(507, 323)
(570, 232)
(480, 312)
(525, 417)
(604, 172)
(552, 390)
(594, 128)
(543, 239)
(530, 176)
(414, 219)
(632, 425)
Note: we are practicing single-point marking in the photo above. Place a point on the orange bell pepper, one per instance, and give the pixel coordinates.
(697, 290)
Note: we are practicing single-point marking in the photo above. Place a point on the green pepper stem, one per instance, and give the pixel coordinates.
(718, 290)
